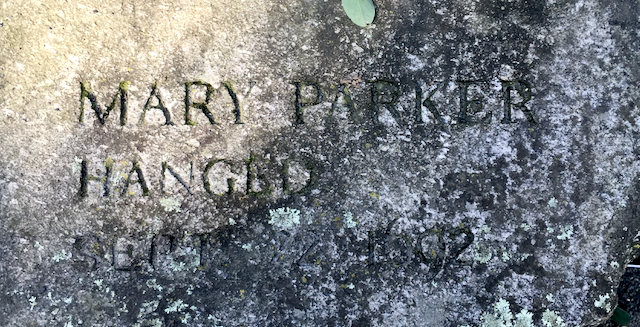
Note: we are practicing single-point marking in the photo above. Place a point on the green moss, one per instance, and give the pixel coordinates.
(125, 85)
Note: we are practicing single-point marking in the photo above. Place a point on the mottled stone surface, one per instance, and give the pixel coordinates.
(269, 163)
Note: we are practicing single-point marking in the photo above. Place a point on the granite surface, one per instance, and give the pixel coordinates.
(270, 163)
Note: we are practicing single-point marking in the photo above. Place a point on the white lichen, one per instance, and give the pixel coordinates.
(603, 302)
(170, 204)
(76, 166)
(176, 306)
(551, 319)
(503, 317)
(482, 254)
(284, 218)
(215, 320)
(180, 266)
(62, 255)
(156, 322)
(32, 302)
(484, 229)
(524, 256)
(148, 307)
(565, 232)
(151, 283)
(524, 319)
(349, 222)
(185, 318)
(505, 256)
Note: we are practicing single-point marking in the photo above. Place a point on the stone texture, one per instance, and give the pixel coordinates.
(458, 163)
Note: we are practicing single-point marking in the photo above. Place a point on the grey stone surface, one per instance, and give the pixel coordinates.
(269, 163)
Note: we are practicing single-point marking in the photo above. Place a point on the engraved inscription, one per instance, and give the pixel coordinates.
(301, 87)
(513, 90)
(86, 93)
(425, 104)
(166, 168)
(129, 253)
(135, 169)
(237, 112)
(170, 254)
(472, 105)
(343, 92)
(203, 106)
(155, 95)
(85, 178)
(428, 103)
(225, 180)
(384, 95)
(219, 177)
(473, 96)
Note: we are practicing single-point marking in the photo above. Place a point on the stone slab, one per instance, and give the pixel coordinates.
(269, 163)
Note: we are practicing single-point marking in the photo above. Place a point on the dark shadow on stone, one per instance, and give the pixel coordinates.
(629, 296)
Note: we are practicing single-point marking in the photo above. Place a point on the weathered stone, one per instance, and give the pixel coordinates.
(269, 163)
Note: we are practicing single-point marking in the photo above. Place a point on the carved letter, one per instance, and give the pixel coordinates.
(471, 106)
(86, 93)
(386, 94)
(300, 105)
(524, 90)
(131, 253)
(252, 177)
(85, 178)
(140, 180)
(170, 253)
(207, 183)
(236, 103)
(431, 106)
(347, 101)
(295, 180)
(209, 92)
(147, 106)
(419, 103)
(165, 167)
